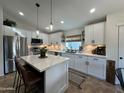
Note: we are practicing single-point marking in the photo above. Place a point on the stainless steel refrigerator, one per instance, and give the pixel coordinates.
(13, 46)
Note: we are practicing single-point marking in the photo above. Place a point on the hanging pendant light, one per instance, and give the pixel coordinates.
(51, 14)
(37, 31)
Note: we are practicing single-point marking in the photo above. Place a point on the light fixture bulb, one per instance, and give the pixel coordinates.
(21, 13)
(51, 27)
(37, 32)
(92, 10)
(62, 22)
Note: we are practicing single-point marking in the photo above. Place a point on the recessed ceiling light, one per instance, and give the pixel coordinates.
(92, 10)
(37, 32)
(20, 13)
(47, 28)
(62, 22)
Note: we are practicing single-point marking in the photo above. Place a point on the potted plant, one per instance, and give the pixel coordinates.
(43, 52)
(9, 23)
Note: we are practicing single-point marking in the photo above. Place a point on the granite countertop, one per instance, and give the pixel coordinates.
(44, 63)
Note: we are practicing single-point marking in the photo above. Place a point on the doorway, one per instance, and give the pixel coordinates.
(121, 46)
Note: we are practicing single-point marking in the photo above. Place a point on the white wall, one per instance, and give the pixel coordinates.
(1, 41)
(112, 34)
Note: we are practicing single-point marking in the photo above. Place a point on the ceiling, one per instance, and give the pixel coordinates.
(75, 13)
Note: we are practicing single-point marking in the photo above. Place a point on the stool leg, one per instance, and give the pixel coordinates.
(19, 85)
(25, 90)
(15, 79)
(17, 82)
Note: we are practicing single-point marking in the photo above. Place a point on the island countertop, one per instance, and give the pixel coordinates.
(42, 64)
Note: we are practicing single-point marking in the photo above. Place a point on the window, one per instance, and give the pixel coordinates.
(73, 45)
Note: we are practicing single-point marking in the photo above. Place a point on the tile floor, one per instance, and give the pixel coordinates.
(91, 85)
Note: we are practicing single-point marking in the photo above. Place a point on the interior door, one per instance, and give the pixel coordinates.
(121, 46)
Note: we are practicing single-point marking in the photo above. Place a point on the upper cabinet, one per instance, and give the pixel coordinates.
(55, 37)
(10, 31)
(94, 34)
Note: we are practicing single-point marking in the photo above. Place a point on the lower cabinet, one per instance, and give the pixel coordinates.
(80, 63)
(97, 67)
(93, 66)
(71, 61)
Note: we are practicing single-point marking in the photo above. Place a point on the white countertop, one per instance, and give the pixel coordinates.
(44, 63)
(82, 53)
(92, 55)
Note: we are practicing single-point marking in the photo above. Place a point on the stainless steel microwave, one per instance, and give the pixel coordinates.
(36, 41)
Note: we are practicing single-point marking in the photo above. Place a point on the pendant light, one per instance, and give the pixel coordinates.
(37, 31)
(51, 14)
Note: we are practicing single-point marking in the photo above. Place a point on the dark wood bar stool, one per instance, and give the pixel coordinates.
(16, 76)
(30, 79)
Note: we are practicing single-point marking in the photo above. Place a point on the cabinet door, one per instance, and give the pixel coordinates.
(97, 67)
(55, 37)
(71, 61)
(89, 34)
(8, 31)
(45, 38)
(51, 38)
(23, 33)
(80, 63)
(34, 35)
(29, 37)
(99, 30)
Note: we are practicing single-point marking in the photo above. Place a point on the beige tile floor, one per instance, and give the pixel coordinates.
(91, 85)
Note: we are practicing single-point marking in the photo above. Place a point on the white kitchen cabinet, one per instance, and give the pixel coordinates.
(99, 33)
(34, 35)
(45, 38)
(23, 33)
(95, 33)
(55, 37)
(11, 31)
(80, 63)
(8, 31)
(97, 67)
(94, 66)
(29, 38)
(89, 34)
(71, 61)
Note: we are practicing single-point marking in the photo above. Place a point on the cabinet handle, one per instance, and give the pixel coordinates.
(93, 41)
(80, 56)
(87, 63)
(96, 59)
(121, 57)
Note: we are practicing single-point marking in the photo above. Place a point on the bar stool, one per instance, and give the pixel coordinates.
(29, 78)
(16, 77)
(120, 76)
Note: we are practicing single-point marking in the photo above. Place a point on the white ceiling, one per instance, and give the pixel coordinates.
(75, 13)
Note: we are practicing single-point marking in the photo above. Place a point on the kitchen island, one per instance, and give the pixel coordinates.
(55, 70)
